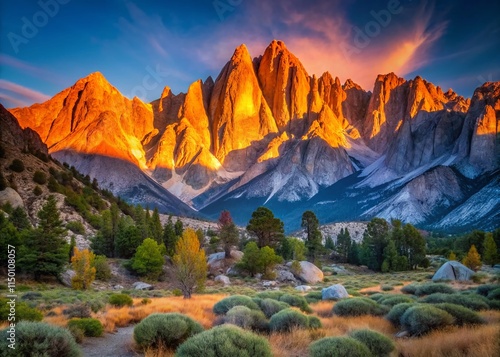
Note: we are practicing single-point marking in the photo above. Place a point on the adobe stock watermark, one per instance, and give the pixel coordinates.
(223, 7)
(31, 26)
(11, 296)
(150, 82)
(363, 36)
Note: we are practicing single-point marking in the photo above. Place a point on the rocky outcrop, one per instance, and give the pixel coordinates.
(10, 196)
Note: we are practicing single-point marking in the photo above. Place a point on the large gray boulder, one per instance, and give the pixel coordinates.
(10, 195)
(334, 292)
(215, 261)
(453, 270)
(285, 276)
(223, 280)
(139, 285)
(66, 277)
(309, 273)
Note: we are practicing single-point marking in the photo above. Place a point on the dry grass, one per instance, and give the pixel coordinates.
(292, 344)
(199, 307)
(457, 342)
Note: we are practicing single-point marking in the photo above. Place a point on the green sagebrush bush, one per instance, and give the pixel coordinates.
(225, 341)
(395, 300)
(394, 315)
(168, 330)
(228, 303)
(432, 288)
(485, 289)
(314, 322)
(270, 306)
(314, 296)
(358, 306)
(494, 294)
(275, 295)
(297, 301)
(338, 347)
(461, 314)
(90, 327)
(409, 289)
(120, 300)
(288, 319)
(472, 301)
(77, 311)
(40, 178)
(421, 319)
(40, 339)
(378, 344)
(247, 318)
(17, 165)
(22, 310)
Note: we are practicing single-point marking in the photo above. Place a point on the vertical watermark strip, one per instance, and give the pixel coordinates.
(11, 295)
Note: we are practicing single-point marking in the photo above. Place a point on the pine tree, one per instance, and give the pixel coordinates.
(155, 226)
(375, 239)
(313, 235)
(228, 233)
(8, 235)
(190, 266)
(72, 246)
(45, 252)
(490, 255)
(344, 243)
(19, 219)
(179, 228)
(416, 245)
(82, 263)
(473, 259)
(268, 229)
(329, 243)
(169, 237)
(390, 258)
(128, 238)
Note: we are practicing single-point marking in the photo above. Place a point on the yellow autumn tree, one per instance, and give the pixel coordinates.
(452, 256)
(82, 263)
(473, 259)
(190, 266)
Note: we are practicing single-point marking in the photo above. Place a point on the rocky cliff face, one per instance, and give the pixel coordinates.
(267, 130)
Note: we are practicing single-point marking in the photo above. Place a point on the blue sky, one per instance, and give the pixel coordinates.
(143, 46)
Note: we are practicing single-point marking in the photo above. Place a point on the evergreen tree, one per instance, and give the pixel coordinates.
(250, 261)
(490, 255)
(141, 221)
(344, 243)
(8, 235)
(190, 266)
(19, 219)
(329, 243)
(128, 238)
(353, 257)
(155, 226)
(179, 228)
(169, 236)
(473, 259)
(268, 229)
(375, 240)
(293, 249)
(313, 235)
(201, 236)
(228, 233)
(72, 246)
(416, 245)
(45, 252)
(390, 258)
(148, 259)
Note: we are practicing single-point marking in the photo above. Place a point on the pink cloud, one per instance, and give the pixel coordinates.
(20, 94)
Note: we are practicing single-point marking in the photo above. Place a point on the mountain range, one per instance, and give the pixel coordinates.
(265, 132)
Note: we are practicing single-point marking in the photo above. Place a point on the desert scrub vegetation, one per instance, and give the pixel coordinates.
(394, 315)
(90, 327)
(358, 306)
(378, 344)
(229, 302)
(472, 301)
(393, 300)
(40, 339)
(270, 306)
(165, 330)
(120, 300)
(297, 301)
(288, 319)
(225, 341)
(432, 288)
(247, 319)
(462, 315)
(338, 347)
(23, 311)
(421, 319)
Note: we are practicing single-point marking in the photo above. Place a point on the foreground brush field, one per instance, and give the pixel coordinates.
(471, 329)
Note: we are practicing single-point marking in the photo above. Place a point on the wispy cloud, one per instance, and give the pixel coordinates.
(8, 62)
(20, 95)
